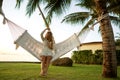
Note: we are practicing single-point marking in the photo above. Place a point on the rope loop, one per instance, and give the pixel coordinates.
(99, 19)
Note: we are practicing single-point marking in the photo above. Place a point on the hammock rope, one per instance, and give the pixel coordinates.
(16, 31)
(82, 36)
(99, 19)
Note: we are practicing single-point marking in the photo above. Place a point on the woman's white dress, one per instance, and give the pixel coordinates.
(46, 51)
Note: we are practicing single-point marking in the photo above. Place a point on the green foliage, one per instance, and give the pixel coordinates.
(31, 6)
(118, 56)
(98, 56)
(56, 7)
(83, 57)
(87, 57)
(78, 17)
(117, 43)
(18, 3)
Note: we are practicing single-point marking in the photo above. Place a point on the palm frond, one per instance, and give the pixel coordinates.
(49, 17)
(77, 17)
(31, 6)
(87, 4)
(56, 7)
(112, 1)
(114, 7)
(18, 3)
(115, 20)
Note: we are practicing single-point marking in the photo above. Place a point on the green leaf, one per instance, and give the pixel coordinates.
(18, 3)
(77, 17)
(56, 7)
(31, 6)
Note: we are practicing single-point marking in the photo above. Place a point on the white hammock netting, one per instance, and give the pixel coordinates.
(22, 38)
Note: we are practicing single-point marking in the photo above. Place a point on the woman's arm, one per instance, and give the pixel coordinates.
(42, 33)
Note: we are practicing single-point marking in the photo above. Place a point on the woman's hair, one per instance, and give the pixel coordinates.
(49, 37)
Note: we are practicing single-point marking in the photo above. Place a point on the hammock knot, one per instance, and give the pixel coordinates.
(103, 16)
(99, 19)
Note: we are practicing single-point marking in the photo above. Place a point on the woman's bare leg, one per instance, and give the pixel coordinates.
(48, 63)
(43, 65)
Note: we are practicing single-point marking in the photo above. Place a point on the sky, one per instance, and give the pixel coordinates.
(34, 25)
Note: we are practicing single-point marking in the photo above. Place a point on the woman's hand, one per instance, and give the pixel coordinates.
(48, 28)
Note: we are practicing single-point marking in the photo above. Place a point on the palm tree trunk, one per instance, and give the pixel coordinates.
(109, 55)
(43, 17)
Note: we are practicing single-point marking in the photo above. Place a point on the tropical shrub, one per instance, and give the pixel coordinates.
(118, 56)
(98, 57)
(83, 56)
(87, 57)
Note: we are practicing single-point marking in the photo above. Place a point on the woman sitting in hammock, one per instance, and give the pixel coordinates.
(47, 51)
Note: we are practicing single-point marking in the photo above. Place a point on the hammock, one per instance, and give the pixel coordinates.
(22, 38)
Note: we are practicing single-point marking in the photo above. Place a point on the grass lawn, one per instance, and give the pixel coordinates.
(30, 71)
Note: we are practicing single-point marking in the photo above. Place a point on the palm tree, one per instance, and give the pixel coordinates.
(98, 7)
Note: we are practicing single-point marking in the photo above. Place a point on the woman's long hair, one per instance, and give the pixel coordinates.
(49, 37)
